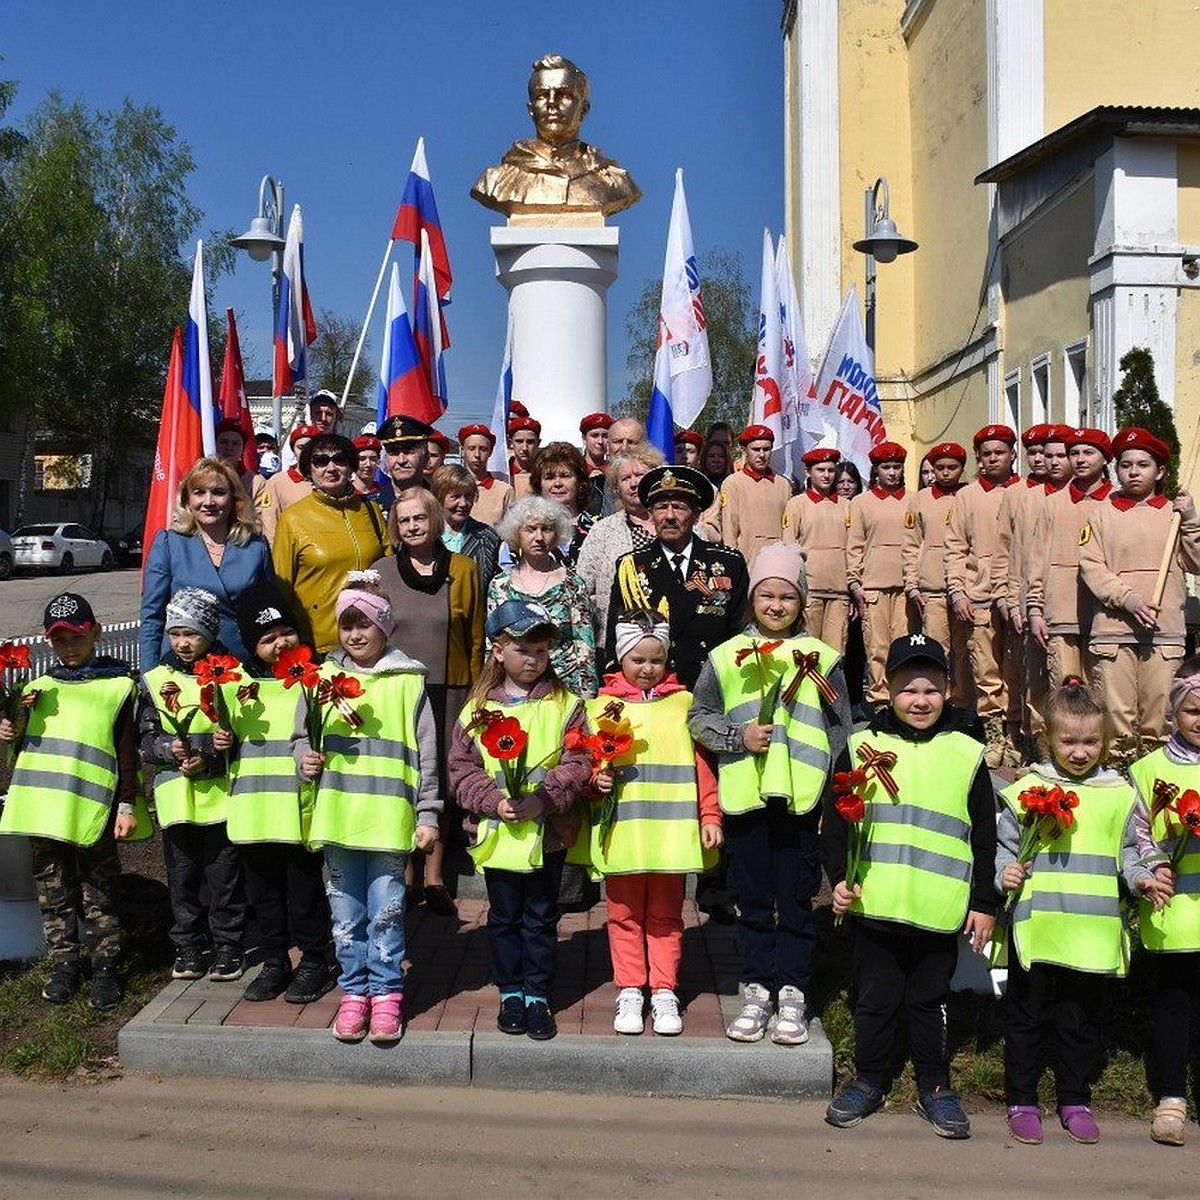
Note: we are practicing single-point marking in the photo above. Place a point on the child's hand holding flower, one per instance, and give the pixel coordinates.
(8, 731)
(312, 763)
(844, 896)
(603, 782)
(190, 764)
(1014, 875)
(222, 739)
(757, 738)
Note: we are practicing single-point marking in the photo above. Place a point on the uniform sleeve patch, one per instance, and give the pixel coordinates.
(1085, 534)
(910, 520)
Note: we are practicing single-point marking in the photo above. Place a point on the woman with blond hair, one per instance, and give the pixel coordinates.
(214, 544)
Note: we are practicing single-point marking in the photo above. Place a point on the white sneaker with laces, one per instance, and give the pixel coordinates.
(751, 1023)
(664, 1009)
(791, 1027)
(629, 1019)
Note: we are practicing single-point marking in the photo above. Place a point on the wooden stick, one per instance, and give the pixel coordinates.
(1164, 567)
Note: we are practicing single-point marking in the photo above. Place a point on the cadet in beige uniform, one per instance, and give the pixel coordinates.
(874, 574)
(524, 437)
(753, 499)
(495, 495)
(818, 520)
(688, 444)
(1136, 648)
(922, 555)
(285, 487)
(1059, 606)
(977, 597)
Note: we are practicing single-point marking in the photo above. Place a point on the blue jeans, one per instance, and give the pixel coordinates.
(366, 899)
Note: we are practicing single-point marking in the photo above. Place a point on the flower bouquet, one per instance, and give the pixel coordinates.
(612, 740)
(12, 703)
(756, 659)
(212, 671)
(1170, 802)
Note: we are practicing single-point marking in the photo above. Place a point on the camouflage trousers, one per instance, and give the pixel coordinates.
(76, 889)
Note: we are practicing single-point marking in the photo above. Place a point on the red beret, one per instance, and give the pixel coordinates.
(366, 441)
(441, 439)
(1085, 436)
(1133, 437)
(596, 420)
(755, 433)
(888, 452)
(1057, 433)
(517, 409)
(1036, 435)
(946, 450)
(229, 425)
(690, 436)
(479, 430)
(519, 423)
(303, 431)
(821, 454)
(995, 433)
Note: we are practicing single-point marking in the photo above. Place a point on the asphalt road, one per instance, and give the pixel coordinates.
(140, 1136)
(115, 596)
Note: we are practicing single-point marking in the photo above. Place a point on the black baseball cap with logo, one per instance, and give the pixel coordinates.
(68, 610)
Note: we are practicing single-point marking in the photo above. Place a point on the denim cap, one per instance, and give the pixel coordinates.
(518, 619)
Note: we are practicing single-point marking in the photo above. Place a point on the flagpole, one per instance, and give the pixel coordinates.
(362, 337)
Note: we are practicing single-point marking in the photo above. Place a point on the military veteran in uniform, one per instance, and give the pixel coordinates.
(700, 587)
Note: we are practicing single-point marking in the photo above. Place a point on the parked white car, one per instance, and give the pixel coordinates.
(61, 547)
(7, 558)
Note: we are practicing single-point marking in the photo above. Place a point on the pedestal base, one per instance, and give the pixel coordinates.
(20, 920)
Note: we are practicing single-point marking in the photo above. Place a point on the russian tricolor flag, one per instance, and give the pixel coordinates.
(429, 329)
(498, 461)
(418, 212)
(196, 423)
(295, 329)
(403, 383)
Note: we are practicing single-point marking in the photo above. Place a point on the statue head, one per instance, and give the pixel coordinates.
(558, 99)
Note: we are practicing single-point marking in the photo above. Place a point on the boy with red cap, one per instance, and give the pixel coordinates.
(1057, 604)
(922, 555)
(495, 495)
(753, 499)
(818, 520)
(524, 437)
(594, 430)
(688, 444)
(978, 591)
(285, 487)
(438, 447)
(366, 474)
(874, 573)
(1136, 647)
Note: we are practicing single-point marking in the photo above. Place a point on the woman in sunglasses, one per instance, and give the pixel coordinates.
(332, 531)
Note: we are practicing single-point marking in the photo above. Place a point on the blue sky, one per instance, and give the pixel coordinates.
(330, 100)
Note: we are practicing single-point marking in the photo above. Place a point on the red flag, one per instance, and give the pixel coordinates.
(179, 447)
(234, 405)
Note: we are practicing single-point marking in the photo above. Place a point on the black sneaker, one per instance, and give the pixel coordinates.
(62, 982)
(227, 964)
(512, 1015)
(189, 963)
(106, 986)
(854, 1101)
(539, 1021)
(270, 982)
(311, 981)
(944, 1111)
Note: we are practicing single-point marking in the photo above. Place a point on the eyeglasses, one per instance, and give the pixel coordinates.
(323, 460)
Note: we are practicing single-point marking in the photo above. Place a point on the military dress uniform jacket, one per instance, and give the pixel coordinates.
(706, 611)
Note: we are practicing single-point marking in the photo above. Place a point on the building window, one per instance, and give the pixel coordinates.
(1012, 400)
(1077, 400)
(1039, 373)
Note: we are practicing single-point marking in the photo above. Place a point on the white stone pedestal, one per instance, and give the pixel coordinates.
(20, 921)
(557, 279)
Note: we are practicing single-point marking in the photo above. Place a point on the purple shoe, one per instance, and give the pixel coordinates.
(1025, 1124)
(1079, 1123)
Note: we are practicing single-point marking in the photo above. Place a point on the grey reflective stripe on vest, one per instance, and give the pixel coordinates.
(748, 710)
(248, 782)
(657, 810)
(91, 755)
(801, 752)
(356, 747)
(1072, 863)
(60, 781)
(532, 779)
(368, 785)
(1187, 885)
(1068, 903)
(923, 860)
(655, 773)
(273, 748)
(883, 813)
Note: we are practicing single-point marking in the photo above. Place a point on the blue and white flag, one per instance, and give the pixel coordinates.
(498, 462)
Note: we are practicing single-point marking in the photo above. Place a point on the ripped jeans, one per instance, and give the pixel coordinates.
(366, 898)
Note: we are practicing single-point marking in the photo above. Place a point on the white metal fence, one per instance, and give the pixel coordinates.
(118, 641)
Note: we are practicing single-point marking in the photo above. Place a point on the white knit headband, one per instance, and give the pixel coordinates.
(629, 634)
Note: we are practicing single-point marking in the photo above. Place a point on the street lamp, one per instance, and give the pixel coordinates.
(883, 243)
(264, 240)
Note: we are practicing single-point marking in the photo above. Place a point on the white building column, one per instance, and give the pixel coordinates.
(557, 281)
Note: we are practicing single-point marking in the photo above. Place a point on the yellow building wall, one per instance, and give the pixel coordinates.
(1117, 52)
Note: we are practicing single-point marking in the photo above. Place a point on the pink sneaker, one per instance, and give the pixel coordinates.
(385, 1017)
(353, 1014)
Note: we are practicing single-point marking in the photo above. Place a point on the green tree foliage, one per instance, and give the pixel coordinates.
(95, 280)
(1137, 402)
(330, 356)
(732, 341)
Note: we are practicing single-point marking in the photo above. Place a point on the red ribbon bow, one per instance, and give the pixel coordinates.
(808, 666)
(880, 763)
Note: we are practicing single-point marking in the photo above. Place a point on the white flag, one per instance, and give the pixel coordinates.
(498, 462)
(846, 396)
(767, 405)
(802, 426)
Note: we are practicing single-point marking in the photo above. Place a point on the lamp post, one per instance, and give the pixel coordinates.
(883, 243)
(264, 240)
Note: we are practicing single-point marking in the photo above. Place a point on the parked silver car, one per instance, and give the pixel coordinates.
(61, 547)
(7, 557)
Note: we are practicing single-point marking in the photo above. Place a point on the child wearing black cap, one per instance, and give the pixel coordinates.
(181, 739)
(925, 816)
(267, 820)
(76, 789)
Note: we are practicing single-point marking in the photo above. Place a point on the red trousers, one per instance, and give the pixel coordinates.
(645, 926)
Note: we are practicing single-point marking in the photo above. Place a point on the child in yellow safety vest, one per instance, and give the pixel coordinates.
(771, 703)
(75, 790)
(520, 785)
(377, 799)
(1067, 935)
(655, 815)
(1167, 820)
(191, 791)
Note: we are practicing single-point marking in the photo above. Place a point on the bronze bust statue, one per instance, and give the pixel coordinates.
(554, 178)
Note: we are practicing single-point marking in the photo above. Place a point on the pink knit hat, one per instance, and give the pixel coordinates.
(779, 560)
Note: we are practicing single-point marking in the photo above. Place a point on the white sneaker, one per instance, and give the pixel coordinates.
(664, 1008)
(791, 1027)
(629, 1019)
(750, 1024)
